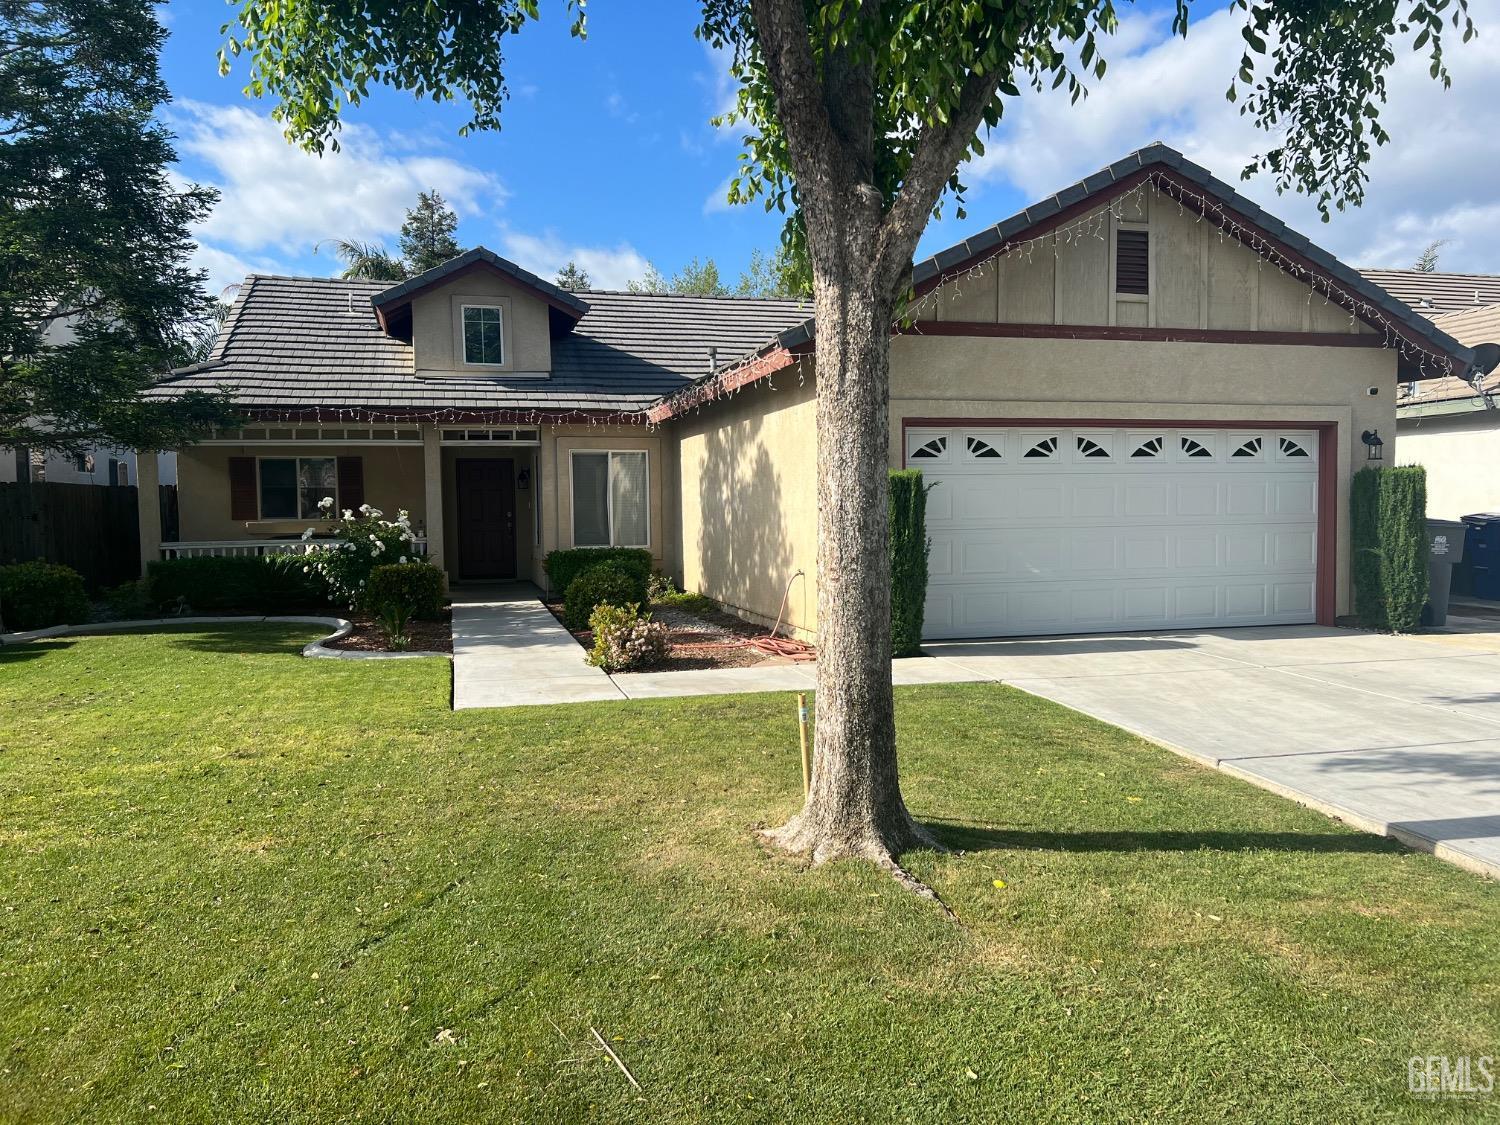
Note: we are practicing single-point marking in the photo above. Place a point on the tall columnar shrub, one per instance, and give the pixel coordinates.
(1388, 529)
(1364, 538)
(909, 548)
(1403, 545)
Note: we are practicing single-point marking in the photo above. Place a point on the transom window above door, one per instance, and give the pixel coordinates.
(484, 335)
(611, 504)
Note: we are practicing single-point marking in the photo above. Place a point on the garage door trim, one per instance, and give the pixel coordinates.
(1325, 594)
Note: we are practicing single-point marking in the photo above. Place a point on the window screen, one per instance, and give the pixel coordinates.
(290, 487)
(591, 499)
(610, 504)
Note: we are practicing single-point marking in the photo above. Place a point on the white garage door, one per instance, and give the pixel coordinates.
(1058, 530)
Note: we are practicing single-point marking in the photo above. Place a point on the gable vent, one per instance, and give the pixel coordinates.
(1132, 261)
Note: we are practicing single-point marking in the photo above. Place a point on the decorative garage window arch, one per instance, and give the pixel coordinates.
(1148, 440)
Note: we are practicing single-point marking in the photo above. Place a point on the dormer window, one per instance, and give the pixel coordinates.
(483, 335)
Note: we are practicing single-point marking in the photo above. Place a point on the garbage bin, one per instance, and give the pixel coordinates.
(1482, 543)
(1445, 547)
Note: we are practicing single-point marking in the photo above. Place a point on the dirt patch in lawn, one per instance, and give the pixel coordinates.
(426, 636)
(706, 638)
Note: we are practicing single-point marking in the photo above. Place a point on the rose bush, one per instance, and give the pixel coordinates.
(625, 639)
(366, 539)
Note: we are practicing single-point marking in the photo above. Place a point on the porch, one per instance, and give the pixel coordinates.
(487, 502)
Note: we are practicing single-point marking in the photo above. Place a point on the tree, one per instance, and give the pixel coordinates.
(573, 278)
(97, 296)
(1427, 260)
(696, 279)
(778, 274)
(859, 115)
(427, 235)
(369, 260)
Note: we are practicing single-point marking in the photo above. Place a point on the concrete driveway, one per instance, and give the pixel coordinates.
(1395, 735)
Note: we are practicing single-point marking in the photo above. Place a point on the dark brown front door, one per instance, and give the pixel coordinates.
(486, 518)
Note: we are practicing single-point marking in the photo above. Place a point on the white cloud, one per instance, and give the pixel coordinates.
(276, 197)
(226, 269)
(607, 267)
(1436, 179)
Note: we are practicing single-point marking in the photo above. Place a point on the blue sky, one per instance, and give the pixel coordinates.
(607, 155)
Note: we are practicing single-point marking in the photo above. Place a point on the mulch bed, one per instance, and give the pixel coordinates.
(426, 636)
(713, 639)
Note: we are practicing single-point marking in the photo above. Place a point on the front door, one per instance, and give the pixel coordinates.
(486, 518)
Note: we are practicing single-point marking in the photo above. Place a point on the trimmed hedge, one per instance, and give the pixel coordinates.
(1388, 529)
(38, 595)
(252, 584)
(909, 551)
(415, 586)
(564, 566)
(606, 584)
(1403, 539)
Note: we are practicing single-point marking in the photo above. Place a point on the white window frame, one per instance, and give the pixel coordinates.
(609, 500)
(463, 337)
(260, 514)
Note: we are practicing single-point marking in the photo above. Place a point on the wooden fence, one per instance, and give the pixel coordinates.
(92, 528)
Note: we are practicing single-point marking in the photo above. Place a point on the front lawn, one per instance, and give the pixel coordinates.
(240, 886)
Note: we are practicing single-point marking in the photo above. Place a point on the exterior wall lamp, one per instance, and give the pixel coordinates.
(523, 479)
(1374, 445)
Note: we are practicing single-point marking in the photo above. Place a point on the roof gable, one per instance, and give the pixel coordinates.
(390, 304)
(1424, 344)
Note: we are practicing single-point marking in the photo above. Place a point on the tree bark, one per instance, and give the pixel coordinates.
(855, 806)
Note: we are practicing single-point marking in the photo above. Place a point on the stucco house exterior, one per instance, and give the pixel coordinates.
(1141, 401)
(1451, 426)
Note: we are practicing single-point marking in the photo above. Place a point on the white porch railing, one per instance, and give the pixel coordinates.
(200, 548)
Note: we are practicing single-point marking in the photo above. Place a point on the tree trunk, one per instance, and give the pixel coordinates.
(855, 806)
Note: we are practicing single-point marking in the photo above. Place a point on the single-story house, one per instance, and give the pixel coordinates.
(1142, 401)
(1451, 426)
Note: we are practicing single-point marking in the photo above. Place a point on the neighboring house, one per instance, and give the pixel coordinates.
(96, 465)
(1142, 401)
(99, 465)
(1451, 426)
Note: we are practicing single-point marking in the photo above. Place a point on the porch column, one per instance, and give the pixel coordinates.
(432, 480)
(148, 506)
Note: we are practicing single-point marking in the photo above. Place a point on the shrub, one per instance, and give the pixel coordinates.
(248, 584)
(38, 595)
(625, 640)
(1403, 545)
(909, 549)
(663, 591)
(1388, 529)
(1364, 539)
(397, 592)
(128, 601)
(365, 540)
(600, 585)
(564, 566)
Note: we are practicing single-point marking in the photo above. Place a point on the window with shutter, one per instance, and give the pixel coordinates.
(1132, 261)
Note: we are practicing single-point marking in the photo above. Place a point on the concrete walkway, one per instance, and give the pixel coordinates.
(1395, 735)
(509, 651)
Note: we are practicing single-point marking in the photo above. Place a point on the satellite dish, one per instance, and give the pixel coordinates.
(1486, 358)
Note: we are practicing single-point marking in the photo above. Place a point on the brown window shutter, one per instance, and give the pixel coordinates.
(351, 482)
(243, 503)
(1132, 261)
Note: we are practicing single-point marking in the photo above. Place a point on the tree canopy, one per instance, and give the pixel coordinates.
(427, 235)
(573, 277)
(98, 297)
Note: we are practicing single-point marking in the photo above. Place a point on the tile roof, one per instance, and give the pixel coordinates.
(1472, 326)
(1434, 293)
(310, 343)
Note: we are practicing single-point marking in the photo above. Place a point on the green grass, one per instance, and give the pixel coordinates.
(240, 886)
